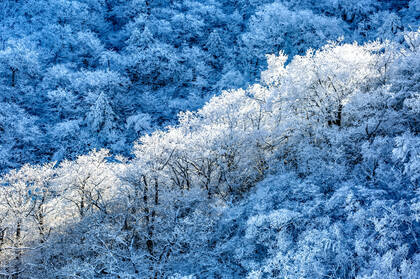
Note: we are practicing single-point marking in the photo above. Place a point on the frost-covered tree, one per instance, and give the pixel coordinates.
(25, 204)
(101, 119)
(274, 27)
(19, 136)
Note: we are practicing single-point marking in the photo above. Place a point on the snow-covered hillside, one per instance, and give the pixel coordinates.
(124, 157)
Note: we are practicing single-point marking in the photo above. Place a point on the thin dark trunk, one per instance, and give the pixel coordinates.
(18, 251)
(2, 234)
(149, 242)
(13, 77)
(339, 113)
(82, 207)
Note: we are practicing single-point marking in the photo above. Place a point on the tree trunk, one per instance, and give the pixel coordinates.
(18, 245)
(339, 113)
(149, 242)
(13, 76)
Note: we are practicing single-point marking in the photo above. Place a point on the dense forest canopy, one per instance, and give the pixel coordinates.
(84, 74)
(209, 139)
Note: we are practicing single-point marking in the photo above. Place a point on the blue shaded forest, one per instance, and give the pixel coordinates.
(209, 139)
